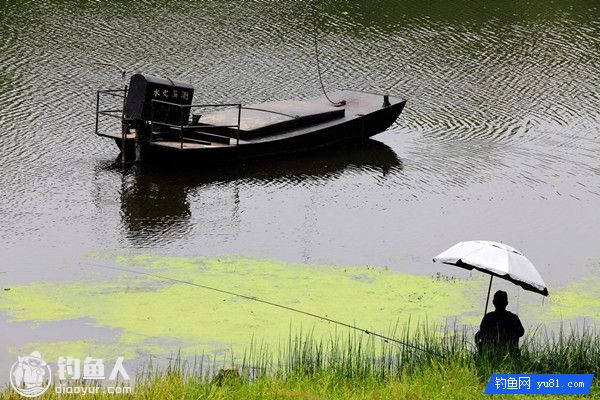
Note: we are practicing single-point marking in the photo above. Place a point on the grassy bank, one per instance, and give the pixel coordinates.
(429, 365)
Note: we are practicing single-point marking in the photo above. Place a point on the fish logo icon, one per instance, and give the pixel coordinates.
(30, 376)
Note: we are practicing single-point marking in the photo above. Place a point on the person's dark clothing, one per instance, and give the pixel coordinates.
(500, 332)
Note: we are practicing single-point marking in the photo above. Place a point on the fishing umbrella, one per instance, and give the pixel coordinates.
(495, 259)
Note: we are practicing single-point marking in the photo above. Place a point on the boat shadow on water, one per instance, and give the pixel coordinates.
(155, 200)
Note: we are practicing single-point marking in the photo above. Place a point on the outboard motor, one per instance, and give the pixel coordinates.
(145, 103)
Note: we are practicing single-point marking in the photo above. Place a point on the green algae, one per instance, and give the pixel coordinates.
(154, 316)
(580, 299)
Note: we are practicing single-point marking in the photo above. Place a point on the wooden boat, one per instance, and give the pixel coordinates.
(156, 123)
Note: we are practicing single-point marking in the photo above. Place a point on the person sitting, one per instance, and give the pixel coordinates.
(500, 330)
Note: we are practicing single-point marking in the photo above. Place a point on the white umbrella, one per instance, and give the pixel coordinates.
(496, 259)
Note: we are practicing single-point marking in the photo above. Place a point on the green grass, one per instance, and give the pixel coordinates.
(358, 366)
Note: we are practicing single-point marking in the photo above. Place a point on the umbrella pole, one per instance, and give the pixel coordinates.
(488, 296)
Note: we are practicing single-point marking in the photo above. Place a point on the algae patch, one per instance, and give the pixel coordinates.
(156, 316)
(579, 299)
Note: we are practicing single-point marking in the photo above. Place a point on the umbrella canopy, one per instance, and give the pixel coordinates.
(496, 259)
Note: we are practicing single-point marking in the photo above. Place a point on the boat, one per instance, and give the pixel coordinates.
(160, 123)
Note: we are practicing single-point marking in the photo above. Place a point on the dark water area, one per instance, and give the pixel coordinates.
(500, 138)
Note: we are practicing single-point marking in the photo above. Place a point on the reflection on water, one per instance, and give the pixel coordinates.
(155, 201)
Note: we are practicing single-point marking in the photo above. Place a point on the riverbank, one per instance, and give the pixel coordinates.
(426, 364)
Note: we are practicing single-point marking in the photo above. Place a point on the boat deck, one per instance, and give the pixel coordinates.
(277, 117)
(279, 114)
(118, 135)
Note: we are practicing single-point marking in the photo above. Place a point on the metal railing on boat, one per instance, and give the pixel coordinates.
(183, 121)
(114, 113)
(122, 93)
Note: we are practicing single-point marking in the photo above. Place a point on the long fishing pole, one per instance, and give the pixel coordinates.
(386, 339)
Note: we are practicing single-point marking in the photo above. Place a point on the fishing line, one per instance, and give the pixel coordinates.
(386, 339)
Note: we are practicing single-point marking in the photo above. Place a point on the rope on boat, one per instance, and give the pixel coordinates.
(315, 31)
(111, 64)
(386, 339)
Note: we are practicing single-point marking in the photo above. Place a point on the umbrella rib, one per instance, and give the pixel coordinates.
(524, 284)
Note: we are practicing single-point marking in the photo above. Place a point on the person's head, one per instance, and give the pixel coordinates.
(500, 300)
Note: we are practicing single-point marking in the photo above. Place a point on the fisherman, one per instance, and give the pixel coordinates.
(500, 330)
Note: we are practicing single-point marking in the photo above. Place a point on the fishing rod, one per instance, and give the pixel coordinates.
(386, 339)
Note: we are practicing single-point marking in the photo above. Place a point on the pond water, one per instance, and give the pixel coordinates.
(500, 138)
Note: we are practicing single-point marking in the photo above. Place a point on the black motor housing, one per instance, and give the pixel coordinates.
(145, 88)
